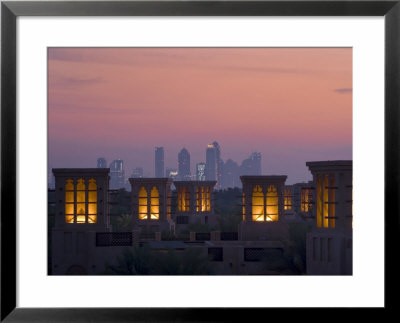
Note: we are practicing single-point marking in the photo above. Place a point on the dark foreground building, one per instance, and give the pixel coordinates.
(330, 244)
(83, 241)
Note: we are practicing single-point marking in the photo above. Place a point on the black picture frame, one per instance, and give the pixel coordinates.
(11, 10)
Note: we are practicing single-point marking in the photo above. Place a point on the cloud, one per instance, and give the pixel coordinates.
(75, 81)
(61, 54)
(113, 55)
(70, 108)
(344, 90)
(262, 69)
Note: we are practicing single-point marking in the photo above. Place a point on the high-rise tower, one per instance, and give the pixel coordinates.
(220, 165)
(251, 165)
(184, 165)
(101, 162)
(117, 174)
(211, 163)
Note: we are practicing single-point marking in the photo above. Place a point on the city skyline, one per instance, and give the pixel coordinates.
(292, 105)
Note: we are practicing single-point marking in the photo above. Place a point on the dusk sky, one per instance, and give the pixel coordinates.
(290, 104)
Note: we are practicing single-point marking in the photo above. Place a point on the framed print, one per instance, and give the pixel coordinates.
(186, 160)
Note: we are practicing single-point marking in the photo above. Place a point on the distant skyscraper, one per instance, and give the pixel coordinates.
(137, 172)
(230, 175)
(101, 162)
(184, 165)
(256, 157)
(251, 165)
(171, 173)
(220, 165)
(211, 163)
(117, 174)
(200, 172)
(159, 162)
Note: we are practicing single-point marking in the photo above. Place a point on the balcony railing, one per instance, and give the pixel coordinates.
(107, 239)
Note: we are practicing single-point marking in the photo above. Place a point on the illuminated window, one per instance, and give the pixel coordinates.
(305, 199)
(326, 201)
(92, 201)
(199, 199)
(154, 204)
(69, 201)
(272, 204)
(288, 200)
(187, 200)
(208, 199)
(325, 198)
(80, 203)
(203, 199)
(183, 199)
(258, 204)
(244, 207)
(142, 203)
(332, 201)
(319, 213)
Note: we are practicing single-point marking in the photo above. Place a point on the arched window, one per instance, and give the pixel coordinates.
(257, 204)
(183, 199)
(142, 204)
(92, 201)
(187, 199)
(200, 199)
(208, 199)
(69, 201)
(305, 199)
(154, 204)
(326, 200)
(271, 204)
(203, 198)
(319, 204)
(80, 201)
(288, 200)
(331, 193)
(325, 196)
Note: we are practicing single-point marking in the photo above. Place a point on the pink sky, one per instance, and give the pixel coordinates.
(291, 104)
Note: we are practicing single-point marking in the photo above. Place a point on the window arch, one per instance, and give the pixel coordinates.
(257, 204)
(305, 199)
(271, 204)
(92, 201)
(142, 203)
(154, 204)
(325, 200)
(80, 201)
(288, 199)
(183, 199)
(69, 201)
(208, 199)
